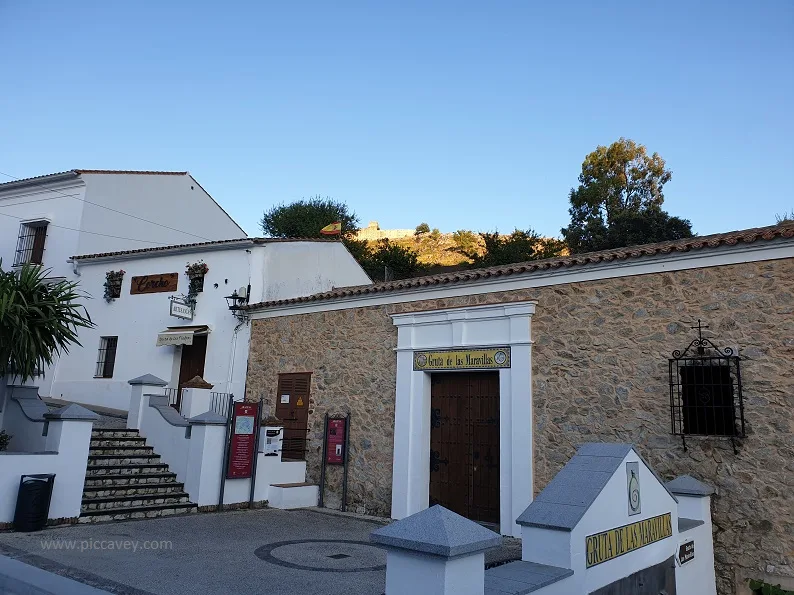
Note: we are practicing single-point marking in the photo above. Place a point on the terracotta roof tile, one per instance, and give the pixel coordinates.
(198, 245)
(747, 236)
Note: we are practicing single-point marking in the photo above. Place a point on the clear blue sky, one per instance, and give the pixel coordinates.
(461, 114)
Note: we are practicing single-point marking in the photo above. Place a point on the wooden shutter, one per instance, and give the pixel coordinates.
(39, 235)
(292, 408)
(110, 356)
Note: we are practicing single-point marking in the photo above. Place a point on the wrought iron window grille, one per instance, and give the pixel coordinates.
(30, 243)
(706, 391)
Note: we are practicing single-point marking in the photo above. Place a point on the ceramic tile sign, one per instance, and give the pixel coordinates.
(633, 487)
(622, 540)
(484, 358)
(243, 444)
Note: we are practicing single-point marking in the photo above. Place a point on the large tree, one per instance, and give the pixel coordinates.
(518, 246)
(619, 200)
(38, 320)
(306, 217)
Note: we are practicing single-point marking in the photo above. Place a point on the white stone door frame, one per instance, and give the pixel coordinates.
(477, 326)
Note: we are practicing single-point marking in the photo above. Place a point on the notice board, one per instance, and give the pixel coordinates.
(242, 449)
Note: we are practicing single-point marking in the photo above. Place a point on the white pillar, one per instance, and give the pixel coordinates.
(195, 401)
(140, 386)
(435, 552)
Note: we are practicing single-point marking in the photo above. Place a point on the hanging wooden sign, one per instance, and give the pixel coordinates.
(165, 282)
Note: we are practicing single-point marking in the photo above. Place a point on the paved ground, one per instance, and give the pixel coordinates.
(267, 551)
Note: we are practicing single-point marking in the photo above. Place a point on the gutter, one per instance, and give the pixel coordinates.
(164, 252)
(38, 181)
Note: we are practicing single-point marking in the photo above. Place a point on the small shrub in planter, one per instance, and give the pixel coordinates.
(195, 273)
(4, 440)
(113, 281)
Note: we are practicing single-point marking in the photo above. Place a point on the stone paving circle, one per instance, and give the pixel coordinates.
(324, 555)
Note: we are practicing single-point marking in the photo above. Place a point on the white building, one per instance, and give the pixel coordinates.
(136, 334)
(49, 218)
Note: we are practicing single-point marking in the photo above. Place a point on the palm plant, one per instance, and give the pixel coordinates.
(38, 319)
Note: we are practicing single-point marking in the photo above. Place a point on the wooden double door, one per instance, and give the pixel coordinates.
(464, 444)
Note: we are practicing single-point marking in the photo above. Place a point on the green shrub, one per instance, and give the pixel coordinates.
(4, 439)
(762, 588)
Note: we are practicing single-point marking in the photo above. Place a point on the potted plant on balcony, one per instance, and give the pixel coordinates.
(195, 273)
(113, 281)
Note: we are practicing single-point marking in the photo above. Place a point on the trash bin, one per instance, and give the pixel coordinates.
(33, 502)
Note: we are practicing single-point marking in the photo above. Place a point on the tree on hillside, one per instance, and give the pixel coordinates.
(389, 262)
(38, 320)
(619, 200)
(306, 217)
(422, 228)
(466, 242)
(518, 246)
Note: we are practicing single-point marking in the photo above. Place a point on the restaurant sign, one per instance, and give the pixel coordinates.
(165, 282)
(483, 358)
(180, 309)
(607, 545)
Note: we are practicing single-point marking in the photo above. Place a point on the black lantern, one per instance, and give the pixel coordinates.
(235, 301)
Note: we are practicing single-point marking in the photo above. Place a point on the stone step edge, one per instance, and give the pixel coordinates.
(154, 455)
(163, 475)
(106, 499)
(114, 430)
(115, 447)
(135, 486)
(135, 465)
(133, 509)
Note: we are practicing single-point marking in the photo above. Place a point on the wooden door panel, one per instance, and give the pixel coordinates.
(464, 444)
(292, 408)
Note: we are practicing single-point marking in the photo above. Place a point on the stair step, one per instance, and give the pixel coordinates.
(130, 479)
(122, 451)
(136, 512)
(113, 433)
(104, 491)
(116, 502)
(111, 470)
(118, 442)
(130, 460)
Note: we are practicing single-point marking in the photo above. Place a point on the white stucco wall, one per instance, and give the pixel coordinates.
(294, 269)
(280, 270)
(51, 203)
(173, 200)
(137, 319)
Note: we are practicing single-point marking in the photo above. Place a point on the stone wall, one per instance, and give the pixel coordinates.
(600, 372)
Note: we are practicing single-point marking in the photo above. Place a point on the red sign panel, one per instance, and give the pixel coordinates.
(245, 425)
(335, 442)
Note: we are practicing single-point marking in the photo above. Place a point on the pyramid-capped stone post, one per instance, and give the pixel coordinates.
(140, 387)
(435, 552)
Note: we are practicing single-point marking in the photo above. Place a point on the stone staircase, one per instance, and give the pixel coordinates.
(125, 479)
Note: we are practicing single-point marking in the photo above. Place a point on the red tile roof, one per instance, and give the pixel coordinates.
(747, 236)
(210, 244)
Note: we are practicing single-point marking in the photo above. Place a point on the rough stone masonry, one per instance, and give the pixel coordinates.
(600, 372)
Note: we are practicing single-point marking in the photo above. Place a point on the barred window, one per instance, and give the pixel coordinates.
(106, 359)
(707, 400)
(30, 244)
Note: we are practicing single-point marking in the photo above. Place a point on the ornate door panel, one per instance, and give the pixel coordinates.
(464, 444)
